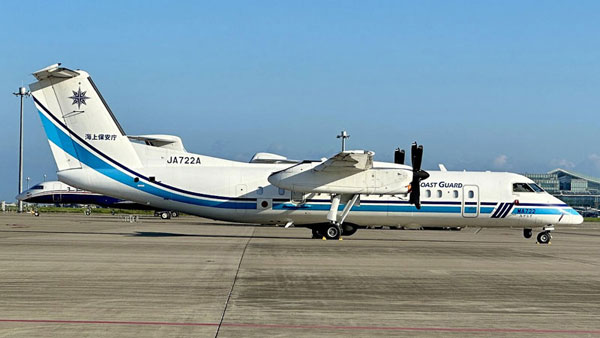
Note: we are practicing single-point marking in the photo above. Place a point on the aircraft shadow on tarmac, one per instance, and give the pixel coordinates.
(171, 234)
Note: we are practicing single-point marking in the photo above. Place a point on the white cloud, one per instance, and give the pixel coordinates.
(562, 163)
(500, 161)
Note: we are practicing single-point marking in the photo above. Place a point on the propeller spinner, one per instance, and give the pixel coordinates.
(416, 153)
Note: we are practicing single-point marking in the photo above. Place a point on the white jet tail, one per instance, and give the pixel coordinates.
(81, 128)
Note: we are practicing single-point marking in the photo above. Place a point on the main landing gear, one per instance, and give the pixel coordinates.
(543, 237)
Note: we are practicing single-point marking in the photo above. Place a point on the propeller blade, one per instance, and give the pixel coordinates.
(417, 157)
(399, 155)
(416, 153)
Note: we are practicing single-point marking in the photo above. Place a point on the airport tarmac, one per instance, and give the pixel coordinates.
(100, 276)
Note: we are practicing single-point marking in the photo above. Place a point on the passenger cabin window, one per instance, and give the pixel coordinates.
(471, 194)
(281, 191)
(521, 187)
(428, 193)
(536, 187)
(455, 193)
(260, 190)
(439, 194)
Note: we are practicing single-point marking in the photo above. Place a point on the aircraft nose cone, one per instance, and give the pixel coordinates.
(571, 220)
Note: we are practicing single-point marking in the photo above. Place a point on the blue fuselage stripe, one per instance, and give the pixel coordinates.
(70, 146)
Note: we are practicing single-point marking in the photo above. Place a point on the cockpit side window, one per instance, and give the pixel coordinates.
(536, 187)
(521, 187)
(37, 187)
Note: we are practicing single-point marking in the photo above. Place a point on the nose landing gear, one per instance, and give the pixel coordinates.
(544, 237)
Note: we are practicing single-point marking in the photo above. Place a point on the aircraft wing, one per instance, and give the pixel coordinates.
(348, 161)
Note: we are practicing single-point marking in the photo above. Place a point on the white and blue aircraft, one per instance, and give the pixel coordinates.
(331, 196)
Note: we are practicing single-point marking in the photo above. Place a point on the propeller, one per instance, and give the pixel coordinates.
(416, 153)
(399, 156)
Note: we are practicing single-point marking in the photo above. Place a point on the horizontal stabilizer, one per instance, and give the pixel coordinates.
(54, 71)
(160, 141)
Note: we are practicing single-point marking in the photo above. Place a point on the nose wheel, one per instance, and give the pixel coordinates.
(544, 237)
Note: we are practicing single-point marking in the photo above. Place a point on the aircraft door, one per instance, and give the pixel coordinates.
(470, 201)
(56, 198)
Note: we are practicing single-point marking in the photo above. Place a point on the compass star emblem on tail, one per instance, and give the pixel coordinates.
(79, 97)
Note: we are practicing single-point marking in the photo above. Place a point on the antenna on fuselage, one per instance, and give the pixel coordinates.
(343, 135)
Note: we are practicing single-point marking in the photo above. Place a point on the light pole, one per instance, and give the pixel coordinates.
(27, 182)
(343, 135)
(23, 92)
(44, 177)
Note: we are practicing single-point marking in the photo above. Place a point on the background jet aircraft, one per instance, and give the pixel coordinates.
(56, 192)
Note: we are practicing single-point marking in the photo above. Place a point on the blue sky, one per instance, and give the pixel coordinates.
(484, 85)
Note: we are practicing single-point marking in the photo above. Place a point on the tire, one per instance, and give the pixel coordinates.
(332, 232)
(543, 237)
(36, 214)
(87, 212)
(174, 214)
(165, 215)
(349, 230)
(316, 233)
(527, 233)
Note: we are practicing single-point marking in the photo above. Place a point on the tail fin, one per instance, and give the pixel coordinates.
(78, 122)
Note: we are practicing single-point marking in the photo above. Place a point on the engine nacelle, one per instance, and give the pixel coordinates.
(304, 178)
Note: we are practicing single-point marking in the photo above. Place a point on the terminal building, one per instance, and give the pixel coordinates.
(579, 191)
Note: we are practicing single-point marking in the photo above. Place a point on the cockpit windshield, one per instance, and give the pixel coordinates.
(526, 187)
(536, 187)
(521, 187)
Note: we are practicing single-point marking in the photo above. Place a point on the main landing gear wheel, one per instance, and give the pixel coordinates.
(174, 214)
(332, 231)
(544, 237)
(527, 233)
(348, 230)
(165, 215)
(316, 233)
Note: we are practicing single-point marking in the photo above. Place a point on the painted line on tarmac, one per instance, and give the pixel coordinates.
(321, 327)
